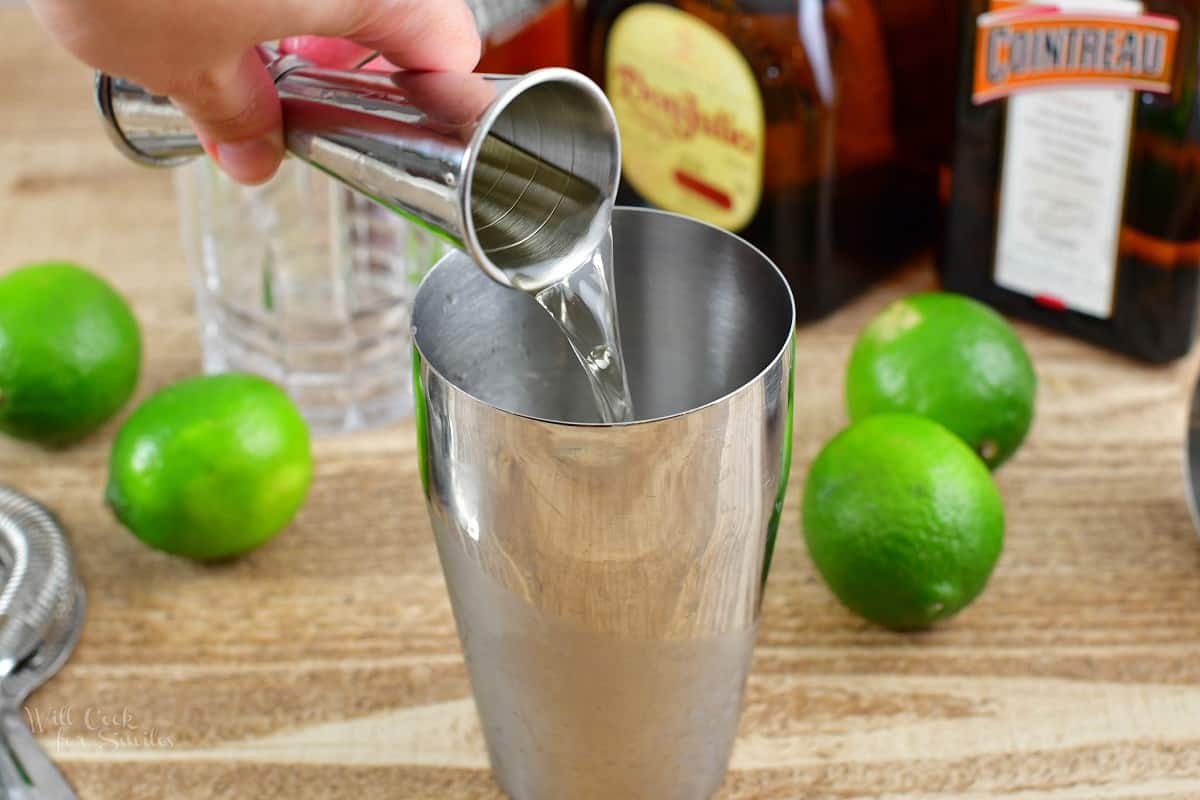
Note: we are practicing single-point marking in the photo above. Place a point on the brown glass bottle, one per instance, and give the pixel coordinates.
(1150, 311)
(520, 36)
(857, 106)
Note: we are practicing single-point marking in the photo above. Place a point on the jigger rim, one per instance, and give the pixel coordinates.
(102, 87)
(483, 129)
(744, 386)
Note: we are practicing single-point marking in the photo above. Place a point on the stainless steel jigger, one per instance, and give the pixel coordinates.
(519, 171)
(41, 614)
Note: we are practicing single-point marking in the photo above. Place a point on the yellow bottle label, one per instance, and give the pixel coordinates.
(690, 114)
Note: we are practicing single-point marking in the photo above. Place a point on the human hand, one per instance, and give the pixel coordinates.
(201, 53)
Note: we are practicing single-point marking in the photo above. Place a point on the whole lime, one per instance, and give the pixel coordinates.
(70, 352)
(210, 467)
(949, 358)
(902, 520)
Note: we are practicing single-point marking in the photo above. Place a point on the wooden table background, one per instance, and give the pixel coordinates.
(325, 665)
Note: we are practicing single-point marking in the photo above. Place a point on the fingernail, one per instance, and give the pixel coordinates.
(379, 64)
(324, 50)
(251, 160)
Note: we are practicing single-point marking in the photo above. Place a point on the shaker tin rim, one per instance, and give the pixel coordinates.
(745, 386)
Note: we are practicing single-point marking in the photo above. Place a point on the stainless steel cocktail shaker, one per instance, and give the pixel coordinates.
(607, 579)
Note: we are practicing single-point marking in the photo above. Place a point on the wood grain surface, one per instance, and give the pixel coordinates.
(325, 665)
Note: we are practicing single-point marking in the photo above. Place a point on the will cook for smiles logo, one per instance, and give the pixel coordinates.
(94, 727)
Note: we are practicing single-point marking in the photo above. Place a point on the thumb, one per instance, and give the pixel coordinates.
(235, 110)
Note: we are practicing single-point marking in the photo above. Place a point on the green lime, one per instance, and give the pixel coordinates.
(902, 520)
(210, 467)
(70, 351)
(949, 358)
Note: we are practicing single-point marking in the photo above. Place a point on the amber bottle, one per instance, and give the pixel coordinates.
(523, 35)
(1082, 211)
(814, 128)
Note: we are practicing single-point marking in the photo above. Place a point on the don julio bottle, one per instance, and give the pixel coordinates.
(1076, 199)
(814, 128)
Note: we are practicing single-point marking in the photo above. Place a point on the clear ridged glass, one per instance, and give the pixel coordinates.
(308, 284)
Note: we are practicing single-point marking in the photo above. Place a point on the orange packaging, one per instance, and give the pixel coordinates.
(1021, 47)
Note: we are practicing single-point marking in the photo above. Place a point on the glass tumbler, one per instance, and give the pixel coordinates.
(308, 284)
